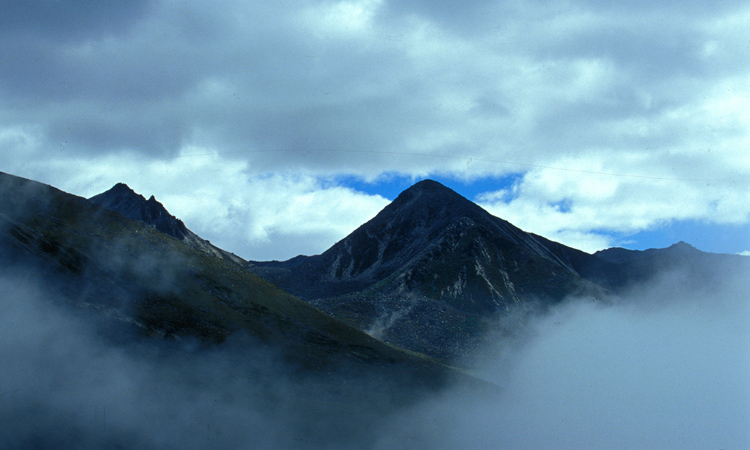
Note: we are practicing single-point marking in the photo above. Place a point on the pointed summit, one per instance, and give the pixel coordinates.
(426, 221)
(428, 187)
(122, 189)
(434, 199)
(418, 218)
(683, 247)
(433, 260)
(400, 231)
(122, 199)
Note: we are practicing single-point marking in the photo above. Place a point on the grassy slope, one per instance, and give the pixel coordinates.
(128, 270)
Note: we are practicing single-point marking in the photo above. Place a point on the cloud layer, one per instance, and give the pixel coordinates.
(610, 100)
(664, 367)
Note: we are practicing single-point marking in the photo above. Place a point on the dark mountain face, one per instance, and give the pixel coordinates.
(133, 276)
(430, 257)
(429, 273)
(422, 237)
(123, 200)
(439, 244)
(628, 269)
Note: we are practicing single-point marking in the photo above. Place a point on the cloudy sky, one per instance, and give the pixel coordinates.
(276, 128)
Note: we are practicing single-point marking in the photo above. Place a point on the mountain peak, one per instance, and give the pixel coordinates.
(123, 200)
(433, 260)
(121, 191)
(432, 202)
(122, 187)
(682, 248)
(428, 185)
(430, 188)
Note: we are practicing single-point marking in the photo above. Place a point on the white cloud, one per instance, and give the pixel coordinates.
(257, 216)
(364, 88)
(275, 217)
(594, 196)
(664, 368)
(344, 17)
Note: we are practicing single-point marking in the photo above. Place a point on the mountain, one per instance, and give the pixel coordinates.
(433, 240)
(696, 269)
(139, 279)
(428, 272)
(432, 272)
(123, 200)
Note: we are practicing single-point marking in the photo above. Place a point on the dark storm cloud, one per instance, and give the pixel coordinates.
(78, 77)
(243, 75)
(157, 77)
(63, 21)
(469, 18)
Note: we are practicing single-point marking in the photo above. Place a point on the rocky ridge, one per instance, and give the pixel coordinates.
(430, 272)
(123, 200)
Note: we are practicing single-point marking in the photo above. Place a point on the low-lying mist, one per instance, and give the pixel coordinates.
(662, 367)
(665, 366)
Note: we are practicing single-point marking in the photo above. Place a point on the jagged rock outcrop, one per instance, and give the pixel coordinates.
(136, 278)
(123, 200)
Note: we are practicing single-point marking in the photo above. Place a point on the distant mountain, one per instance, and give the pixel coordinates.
(137, 278)
(432, 270)
(429, 271)
(123, 200)
(699, 269)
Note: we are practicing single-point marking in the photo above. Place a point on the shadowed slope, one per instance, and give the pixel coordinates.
(131, 273)
(123, 200)
(429, 270)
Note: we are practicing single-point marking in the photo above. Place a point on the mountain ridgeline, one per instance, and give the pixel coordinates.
(433, 271)
(434, 242)
(431, 274)
(139, 281)
(123, 200)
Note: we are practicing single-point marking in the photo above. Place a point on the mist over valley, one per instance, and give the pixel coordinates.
(434, 325)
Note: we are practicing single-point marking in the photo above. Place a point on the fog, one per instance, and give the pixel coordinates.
(660, 368)
(666, 366)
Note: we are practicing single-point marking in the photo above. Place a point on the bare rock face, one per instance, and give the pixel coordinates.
(429, 270)
(123, 200)
(433, 272)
